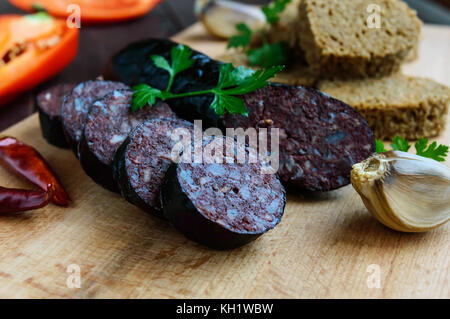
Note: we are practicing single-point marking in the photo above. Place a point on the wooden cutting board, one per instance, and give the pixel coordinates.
(327, 245)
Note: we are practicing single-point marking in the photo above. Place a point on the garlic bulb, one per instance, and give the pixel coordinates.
(403, 191)
(220, 17)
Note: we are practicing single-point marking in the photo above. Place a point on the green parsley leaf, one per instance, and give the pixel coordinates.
(400, 144)
(273, 10)
(238, 81)
(268, 55)
(242, 39)
(143, 95)
(38, 17)
(230, 103)
(254, 81)
(379, 146)
(181, 58)
(233, 82)
(162, 63)
(230, 76)
(37, 7)
(421, 145)
(433, 151)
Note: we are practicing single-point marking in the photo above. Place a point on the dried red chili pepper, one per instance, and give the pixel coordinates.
(29, 164)
(18, 200)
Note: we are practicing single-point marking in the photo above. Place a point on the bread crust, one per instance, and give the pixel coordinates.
(338, 42)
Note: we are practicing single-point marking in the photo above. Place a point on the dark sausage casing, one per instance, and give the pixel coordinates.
(141, 162)
(48, 103)
(133, 66)
(222, 205)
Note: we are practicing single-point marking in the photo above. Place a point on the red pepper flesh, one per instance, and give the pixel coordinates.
(18, 200)
(26, 162)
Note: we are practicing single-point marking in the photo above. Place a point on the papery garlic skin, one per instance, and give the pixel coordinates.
(220, 17)
(405, 192)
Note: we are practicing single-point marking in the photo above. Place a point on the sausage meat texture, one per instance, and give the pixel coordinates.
(320, 137)
(222, 203)
(48, 103)
(108, 124)
(76, 106)
(141, 163)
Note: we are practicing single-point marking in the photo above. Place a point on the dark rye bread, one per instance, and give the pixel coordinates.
(338, 42)
(410, 107)
(285, 30)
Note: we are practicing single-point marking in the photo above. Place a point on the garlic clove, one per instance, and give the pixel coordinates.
(220, 17)
(403, 191)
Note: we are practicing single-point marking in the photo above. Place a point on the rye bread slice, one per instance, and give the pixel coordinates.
(411, 107)
(339, 42)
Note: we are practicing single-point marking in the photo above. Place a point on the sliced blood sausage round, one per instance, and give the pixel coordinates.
(108, 124)
(141, 162)
(76, 106)
(48, 103)
(133, 66)
(320, 137)
(221, 202)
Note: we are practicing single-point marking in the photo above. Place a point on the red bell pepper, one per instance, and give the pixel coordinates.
(33, 48)
(92, 12)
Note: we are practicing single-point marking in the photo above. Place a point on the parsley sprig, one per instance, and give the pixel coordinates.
(269, 54)
(400, 144)
(232, 83)
(273, 10)
(433, 150)
(243, 37)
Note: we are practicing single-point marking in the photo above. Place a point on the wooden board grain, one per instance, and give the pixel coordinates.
(326, 245)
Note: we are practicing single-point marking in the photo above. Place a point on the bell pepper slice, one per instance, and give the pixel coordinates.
(33, 48)
(92, 12)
